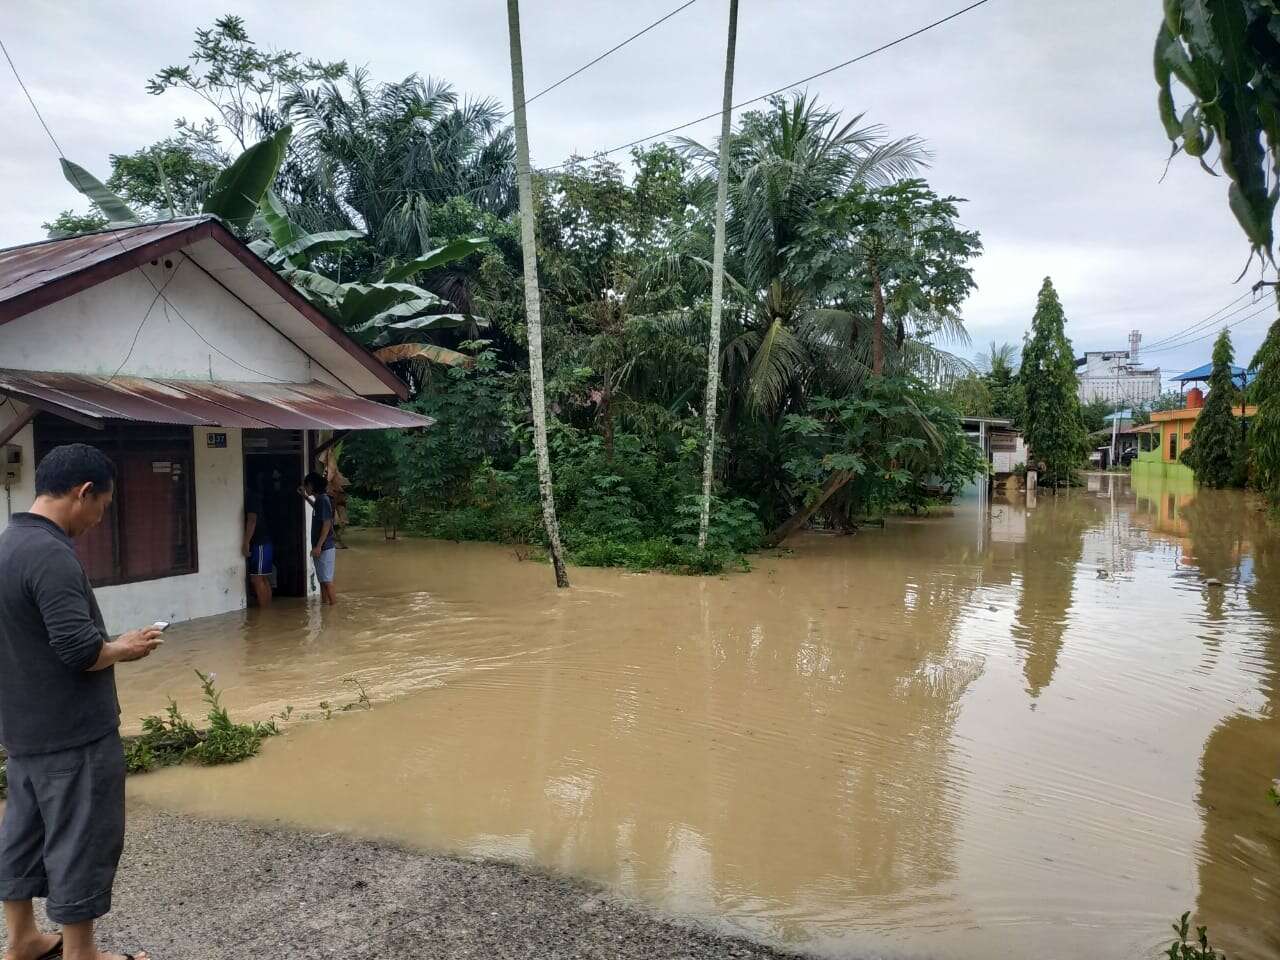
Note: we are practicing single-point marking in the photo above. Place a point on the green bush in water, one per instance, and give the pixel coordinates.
(1182, 949)
(172, 739)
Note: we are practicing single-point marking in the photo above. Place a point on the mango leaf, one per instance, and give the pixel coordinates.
(112, 207)
(436, 258)
(424, 351)
(300, 252)
(239, 189)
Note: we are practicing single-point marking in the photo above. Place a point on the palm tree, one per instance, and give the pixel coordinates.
(999, 360)
(532, 302)
(381, 157)
(783, 163)
(717, 282)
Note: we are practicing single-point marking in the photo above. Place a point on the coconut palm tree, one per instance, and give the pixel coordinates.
(785, 162)
(998, 360)
(532, 302)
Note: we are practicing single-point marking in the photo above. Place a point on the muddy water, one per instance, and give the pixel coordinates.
(1004, 732)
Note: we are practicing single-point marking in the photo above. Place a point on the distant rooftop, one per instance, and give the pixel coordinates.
(1202, 373)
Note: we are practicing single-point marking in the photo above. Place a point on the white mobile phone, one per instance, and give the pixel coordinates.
(161, 625)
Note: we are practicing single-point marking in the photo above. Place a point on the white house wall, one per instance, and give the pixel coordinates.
(218, 586)
(99, 329)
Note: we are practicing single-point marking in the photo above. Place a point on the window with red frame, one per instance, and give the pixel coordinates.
(149, 531)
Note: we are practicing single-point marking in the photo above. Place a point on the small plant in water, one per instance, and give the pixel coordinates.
(362, 700)
(172, 738)
(1181, 949)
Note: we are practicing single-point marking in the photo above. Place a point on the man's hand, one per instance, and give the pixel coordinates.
(315, 552)
(244, 548)
(133, 645)
(137, 644)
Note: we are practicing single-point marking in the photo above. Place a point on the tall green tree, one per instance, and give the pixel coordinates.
(1214, 453)
(1264, 433)
(1054, 429)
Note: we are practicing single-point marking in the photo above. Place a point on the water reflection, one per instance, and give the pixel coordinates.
(833, 751)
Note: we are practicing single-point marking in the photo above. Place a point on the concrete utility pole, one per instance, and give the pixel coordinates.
(717, 282)
(532, 300)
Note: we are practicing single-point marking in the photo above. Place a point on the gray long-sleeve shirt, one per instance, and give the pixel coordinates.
(51, 633)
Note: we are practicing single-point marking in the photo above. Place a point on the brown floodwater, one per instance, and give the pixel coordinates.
(1001, 732)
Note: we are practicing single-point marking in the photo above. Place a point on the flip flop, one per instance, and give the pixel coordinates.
(53, 952)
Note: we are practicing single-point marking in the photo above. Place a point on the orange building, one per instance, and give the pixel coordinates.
(1172, 432)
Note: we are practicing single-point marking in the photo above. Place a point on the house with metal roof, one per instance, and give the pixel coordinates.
(199, 370)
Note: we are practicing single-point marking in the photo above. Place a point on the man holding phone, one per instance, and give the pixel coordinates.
(63, 827)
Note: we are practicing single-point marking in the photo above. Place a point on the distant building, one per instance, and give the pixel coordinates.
(1002, 446)
(1170, 432)
(1117, 377)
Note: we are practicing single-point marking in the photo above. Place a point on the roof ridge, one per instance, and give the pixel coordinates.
(193, 218)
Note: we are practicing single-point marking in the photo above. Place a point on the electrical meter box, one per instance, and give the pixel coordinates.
(10, 465)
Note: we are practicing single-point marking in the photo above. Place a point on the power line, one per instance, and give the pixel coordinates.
(764, 96)
(1177, 339)
(1198, 323)
(611, 50)
(31, 100)
(1213, 333)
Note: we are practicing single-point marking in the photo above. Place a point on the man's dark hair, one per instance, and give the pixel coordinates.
(67, 467)
(316, 483)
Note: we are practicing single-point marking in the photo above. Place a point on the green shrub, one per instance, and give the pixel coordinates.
(360, 512)
(1181, 949)
(172, 739)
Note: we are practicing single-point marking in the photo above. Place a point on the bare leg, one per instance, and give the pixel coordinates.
(261, 590)
(25, 939)
(328, 594)
(78, 944)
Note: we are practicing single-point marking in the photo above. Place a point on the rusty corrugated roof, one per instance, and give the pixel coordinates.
(39, 274)
(206, 403)
(26, 268)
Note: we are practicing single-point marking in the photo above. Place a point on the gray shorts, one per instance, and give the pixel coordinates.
(63, 829)
(324, 564)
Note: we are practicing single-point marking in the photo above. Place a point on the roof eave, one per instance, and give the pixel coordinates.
(131, 258)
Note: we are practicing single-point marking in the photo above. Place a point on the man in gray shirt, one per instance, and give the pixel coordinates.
(63, 827)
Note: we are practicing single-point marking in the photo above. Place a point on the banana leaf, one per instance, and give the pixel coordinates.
(300, 251)
(436, 258)
(362, 302)
(275, 218)
(424, 351)
(112, 207)
(239, 189)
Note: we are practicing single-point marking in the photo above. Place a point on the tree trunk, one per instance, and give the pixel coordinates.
(606, 413)
(717, 281)
(799, 519)
(532, 302)
(877, 321)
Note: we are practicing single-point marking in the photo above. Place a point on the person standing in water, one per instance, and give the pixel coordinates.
(324, 546)
(257, 545)
(63, 828)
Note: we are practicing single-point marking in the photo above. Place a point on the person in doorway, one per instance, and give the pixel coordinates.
(257, 545)
(324, 546)
(63, 827)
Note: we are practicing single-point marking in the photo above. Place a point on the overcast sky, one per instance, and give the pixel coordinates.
(1041, 114)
